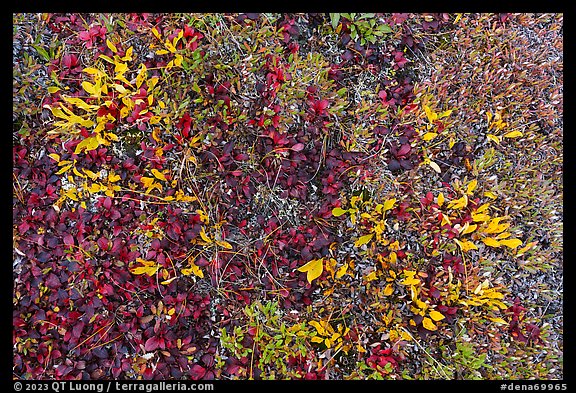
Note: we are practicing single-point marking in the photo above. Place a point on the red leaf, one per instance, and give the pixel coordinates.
(107, 203)
(151, 344)
(197, 372)
(68, 239)
(298, 147)
(405, 149)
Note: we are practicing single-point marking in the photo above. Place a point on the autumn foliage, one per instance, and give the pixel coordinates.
(287, 196)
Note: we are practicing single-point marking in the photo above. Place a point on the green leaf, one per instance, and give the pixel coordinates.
(42, 52)
(334, 19)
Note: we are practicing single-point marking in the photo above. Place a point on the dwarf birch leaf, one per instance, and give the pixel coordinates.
(430, 114)
(111, 46)
(436, 316)
(440, 199)
(313, 269)
(337, 211)
(466, 245)
(363, 240)
(389, 204)
(434, 166)
(158, 175)
(389, 290)
(498, 320)
(490, 241)
(512, 243)
(469, 228)
(513, 134)
(342, 270)
(471, 187)
(493, 138)
(224, 244)
(428, 324)
(204, 236)
(429, 136)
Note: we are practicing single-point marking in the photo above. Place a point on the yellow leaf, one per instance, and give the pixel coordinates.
(371, 276)
(178, 60)
(459, 203)
(526, 248)
(170, 47)
(80, 103)
(363, 240)
(319, 328)
(152, 82)
(193, 269)
(94, 71)
(166, 282)
(493, 138)
(162, 52)
(469, 228)
(436, 316)
(440, 199)
(112, 177)
(204, 236)
(55, 157)
(389, 290)
(89, 88)
(156, 33)
(111, 46)
(141, 76)
(128, 55)
(429, 136)
(512, 243)
(466, 245)
(313, 269)
(342, 270)
(224, 244)
(431, 115)
(158, 175)
(490, 195)
(495, 227)
(513, 134)
(410, 281)
(64, 169)
(71, 193)
(480, 217)
(471, 187)
(388, 204)
(445, 113)
(393, 257)
(119, 88)
(490, 241)
(434, 166)
(120, 68)
(428, 324)
(317, 339)
(337, 211)
(53, 89)
(498, 320)
(87, 144)
(77, 173)
(95, 187)
(149, 267)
